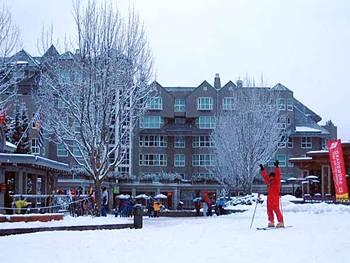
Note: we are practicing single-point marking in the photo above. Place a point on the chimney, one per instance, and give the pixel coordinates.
(217, 83)
(239, 83)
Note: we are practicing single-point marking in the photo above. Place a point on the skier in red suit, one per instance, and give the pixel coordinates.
(273, 182)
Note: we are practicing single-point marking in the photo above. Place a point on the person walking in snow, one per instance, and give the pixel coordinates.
(273, 182)
(104, 202)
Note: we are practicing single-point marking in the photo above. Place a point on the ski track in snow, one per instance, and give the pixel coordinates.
(320, 234)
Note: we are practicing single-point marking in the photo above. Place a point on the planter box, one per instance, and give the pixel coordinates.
(31, 218)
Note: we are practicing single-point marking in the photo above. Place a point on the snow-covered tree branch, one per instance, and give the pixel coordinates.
(9, 70)
(91, 99)
(246, 136)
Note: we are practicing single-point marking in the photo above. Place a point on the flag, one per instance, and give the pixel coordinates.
(338, 169)
(37, 121)
(41, 137)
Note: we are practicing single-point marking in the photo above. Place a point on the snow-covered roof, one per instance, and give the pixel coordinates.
(21, 62)
(306, 129)
(300, 158)
(14, 158)
(318, 152)
(9, 147)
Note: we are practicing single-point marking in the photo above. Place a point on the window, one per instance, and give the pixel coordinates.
(281, 104)
(179, 160)
(227, 103)
(179, 142)
(123, 169)
(324, 144)
(289, 163)
(203, 176)
(153, 160)
(76, 150)
(153, 141)
(205, 103)
(203, 160)
(290, 142)
(306, 142)
(282, 160)
(206, 122)
(77, 127)
(155, 103)
(151, 122)
(202, 141)
(290, 105)
(61, 150)
(35, 146)
(282, 123)
(282, 143)
(180, 105)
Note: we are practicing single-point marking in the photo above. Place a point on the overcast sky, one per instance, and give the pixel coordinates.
(303, 44)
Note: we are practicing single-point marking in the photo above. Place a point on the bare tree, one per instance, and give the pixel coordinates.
(9, 40)
(246, 135)
(92, 98)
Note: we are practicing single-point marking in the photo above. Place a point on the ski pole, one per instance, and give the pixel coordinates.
(256, 204)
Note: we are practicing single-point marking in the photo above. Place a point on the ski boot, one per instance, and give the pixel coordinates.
(280, 225)
(270, 224)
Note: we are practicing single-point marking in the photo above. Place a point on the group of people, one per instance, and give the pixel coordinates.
(124, 208)
(208, 203)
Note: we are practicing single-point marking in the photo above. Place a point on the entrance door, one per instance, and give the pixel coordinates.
(10, 180)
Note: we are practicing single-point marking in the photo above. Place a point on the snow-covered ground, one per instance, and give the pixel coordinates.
(320, 233)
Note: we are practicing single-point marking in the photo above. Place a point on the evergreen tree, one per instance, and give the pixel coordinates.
(9, 128)
(20, 125)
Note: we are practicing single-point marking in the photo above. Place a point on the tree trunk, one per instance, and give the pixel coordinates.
(98, 196)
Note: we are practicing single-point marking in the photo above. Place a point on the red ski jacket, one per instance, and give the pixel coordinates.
(273, 183)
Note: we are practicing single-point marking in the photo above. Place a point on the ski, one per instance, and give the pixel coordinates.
(272, 228)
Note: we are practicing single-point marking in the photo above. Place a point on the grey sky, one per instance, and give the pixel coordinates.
(301, 44)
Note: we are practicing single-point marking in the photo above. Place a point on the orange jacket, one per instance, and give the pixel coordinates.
(273, 183)
(156, 206)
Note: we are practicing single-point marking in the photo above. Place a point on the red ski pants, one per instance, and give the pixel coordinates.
(273, 206)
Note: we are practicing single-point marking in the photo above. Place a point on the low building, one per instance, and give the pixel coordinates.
(317, 172)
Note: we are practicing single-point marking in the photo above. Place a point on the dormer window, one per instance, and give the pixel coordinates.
(155, 103)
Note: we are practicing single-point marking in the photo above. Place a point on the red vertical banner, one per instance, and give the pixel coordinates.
(338, 169)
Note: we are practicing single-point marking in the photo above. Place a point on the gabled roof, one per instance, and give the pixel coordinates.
(280, 87)
(67, 55)
(23, 57)
(229, 84)
(305, 110)
(51, 52)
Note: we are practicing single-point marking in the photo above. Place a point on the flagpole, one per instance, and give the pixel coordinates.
(29, 124)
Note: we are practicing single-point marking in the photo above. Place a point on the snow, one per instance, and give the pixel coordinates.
(320, 234)
(21, 62)
(306, 129)
(300, 158)
(317, 152)
(10, 145)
